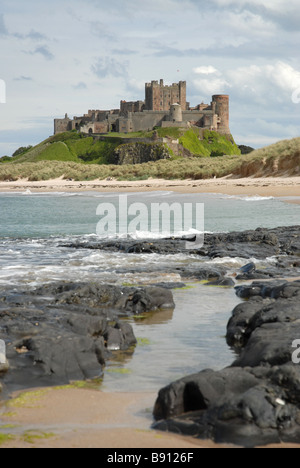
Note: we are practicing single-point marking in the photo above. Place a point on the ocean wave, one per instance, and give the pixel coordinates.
(247, 198)
(239, 262)
(145, 235)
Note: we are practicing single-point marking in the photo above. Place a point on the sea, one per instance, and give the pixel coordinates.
(36, 227)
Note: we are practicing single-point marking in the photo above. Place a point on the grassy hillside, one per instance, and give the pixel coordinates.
(281, 159)
(189, 168)
(211, 143)
(71, 146)
(71, 155)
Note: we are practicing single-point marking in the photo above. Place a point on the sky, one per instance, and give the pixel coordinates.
(70, 56)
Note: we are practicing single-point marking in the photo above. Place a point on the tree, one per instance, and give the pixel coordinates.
(21, 150)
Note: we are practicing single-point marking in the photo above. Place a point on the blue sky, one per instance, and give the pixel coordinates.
(71, 56)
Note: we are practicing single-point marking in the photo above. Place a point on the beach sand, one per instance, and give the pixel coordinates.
(85, 418)
(69, 417)
(276, 187)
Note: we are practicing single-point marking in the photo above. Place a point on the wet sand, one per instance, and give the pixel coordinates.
(67, 417)
(85, 418)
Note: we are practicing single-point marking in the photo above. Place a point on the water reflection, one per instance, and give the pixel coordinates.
(175, 343)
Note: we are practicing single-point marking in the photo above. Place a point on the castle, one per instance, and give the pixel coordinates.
(164, 106)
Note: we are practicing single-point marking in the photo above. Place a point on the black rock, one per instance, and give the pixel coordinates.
(261, 243)
(66, 331)
(149, 298)
(248, 269)
(246, 407)
(256, 401)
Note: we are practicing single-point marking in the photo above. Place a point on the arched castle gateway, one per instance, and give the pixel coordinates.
(164, 106)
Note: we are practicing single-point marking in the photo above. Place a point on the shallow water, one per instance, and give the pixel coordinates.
(45, 215)
(173, 344)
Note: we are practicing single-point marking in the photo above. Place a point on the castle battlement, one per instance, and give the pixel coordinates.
(164, 105)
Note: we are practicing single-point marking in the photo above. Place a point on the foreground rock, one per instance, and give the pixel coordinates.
(256, 401)
(272, 324)
(63, 332)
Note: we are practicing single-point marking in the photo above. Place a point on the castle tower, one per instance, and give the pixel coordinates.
(176, 113)
(160, 97)
(221, 102)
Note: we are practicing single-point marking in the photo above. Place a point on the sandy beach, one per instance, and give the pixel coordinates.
(275, 187)
(85, 418)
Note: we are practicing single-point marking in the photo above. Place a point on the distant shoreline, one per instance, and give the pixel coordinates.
(265, 187)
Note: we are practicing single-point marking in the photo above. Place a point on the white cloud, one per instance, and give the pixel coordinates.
(285, 76)
(262, 84)
(267, 83)
(210, 86)
(79, 58)
(205, 70)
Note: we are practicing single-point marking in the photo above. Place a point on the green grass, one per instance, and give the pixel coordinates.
(57, 152)
(211, 144)
(85, 159)
(75, 147)
(118, 370)
(34, 436)
(72, 147)
(191, 168)
(5, 438)
(172, 132)
(142, 342)
(96, 152)
(27, 399)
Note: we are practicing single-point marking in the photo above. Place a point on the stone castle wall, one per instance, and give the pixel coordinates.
(163, 106)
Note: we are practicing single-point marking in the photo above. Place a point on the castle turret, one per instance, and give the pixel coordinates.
(222, 109)
(62, 125)
(176, 113)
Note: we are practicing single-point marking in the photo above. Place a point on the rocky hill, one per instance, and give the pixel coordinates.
(108, 149)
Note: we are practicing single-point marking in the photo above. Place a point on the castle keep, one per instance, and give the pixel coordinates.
(164, 106)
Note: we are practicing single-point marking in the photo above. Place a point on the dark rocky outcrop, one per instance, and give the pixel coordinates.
(268, 333)
(261, 243)
(243, 406)
(283, 244)
(139, 153)
(255, 401)
(66, 331)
